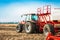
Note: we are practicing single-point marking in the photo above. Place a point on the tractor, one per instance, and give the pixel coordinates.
(39, 22)
(28, 23)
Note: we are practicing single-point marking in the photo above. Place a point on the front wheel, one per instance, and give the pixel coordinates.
(19, 28)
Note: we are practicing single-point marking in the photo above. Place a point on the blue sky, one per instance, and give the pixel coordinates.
(10, 10)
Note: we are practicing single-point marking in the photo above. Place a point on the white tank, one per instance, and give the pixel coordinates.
(55, 14)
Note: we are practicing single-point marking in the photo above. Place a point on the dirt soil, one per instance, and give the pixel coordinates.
(9, 33)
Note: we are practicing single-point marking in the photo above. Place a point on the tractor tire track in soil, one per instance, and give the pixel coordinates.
(6, 28)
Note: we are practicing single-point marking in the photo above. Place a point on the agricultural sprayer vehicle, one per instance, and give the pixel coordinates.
(39, 22)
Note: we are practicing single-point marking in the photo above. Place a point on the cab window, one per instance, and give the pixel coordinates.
(34, 17)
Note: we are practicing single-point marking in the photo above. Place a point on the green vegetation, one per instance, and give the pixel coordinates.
(8, 22)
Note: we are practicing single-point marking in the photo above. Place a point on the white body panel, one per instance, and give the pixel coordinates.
(55, 14)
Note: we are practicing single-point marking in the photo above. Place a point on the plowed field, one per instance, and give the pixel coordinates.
(8, 32)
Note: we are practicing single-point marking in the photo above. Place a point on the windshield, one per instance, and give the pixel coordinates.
(34, 17)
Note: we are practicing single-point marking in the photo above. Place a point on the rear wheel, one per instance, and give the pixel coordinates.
(19, 28)
(29, 27)
(48, 28)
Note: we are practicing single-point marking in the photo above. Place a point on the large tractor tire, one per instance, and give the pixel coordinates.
(29, 27)
(48, 28)
(19, 28)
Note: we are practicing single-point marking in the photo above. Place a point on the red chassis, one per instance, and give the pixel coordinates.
(51, 37)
